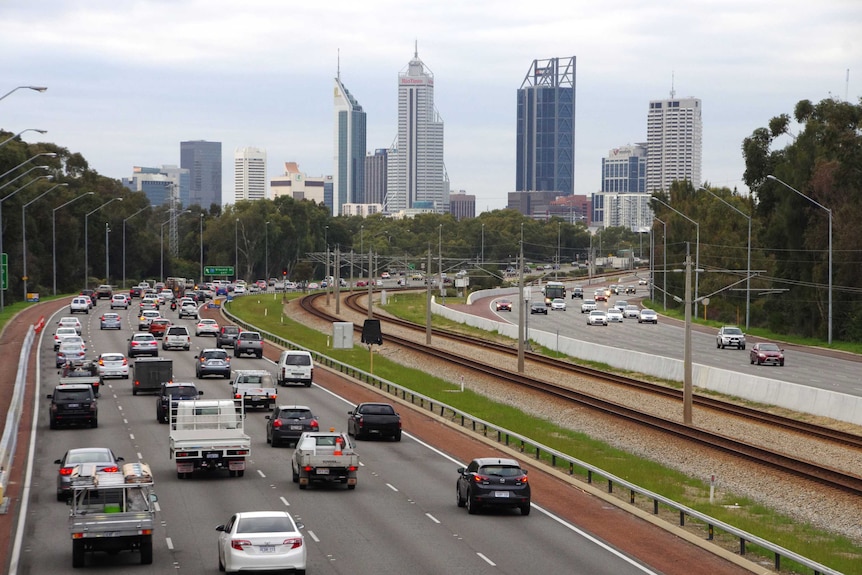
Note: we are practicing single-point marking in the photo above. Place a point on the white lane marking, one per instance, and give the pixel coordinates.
(392, 487)
(432, 518)
(132, 436)
(488, 561)
(313, 536)
(157, 507)
(125, 421)
(283, 500)
(140, 456)
(170, 543)
(261, 473)
(120, 407)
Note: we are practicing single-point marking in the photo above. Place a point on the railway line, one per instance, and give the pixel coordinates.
(775, 460)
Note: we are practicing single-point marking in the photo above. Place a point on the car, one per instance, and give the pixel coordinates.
(177, 336)
(119, 301)
(261, 285)
(361, 283)
(147, 316)
(503, 305)
(73, 403)
(188, 308)
(70, 321)
(261, 540)
(239, 289)
(621, 304)
(538, 307)
(135, 291)
(614, 315)
(113, 364)
(227, 336)
(295, 365)
(62, 333)
(81, 371)
(288, 422)
(150, 302)
(159, 326)
(577, 292)
(248, 342)
(315, 285)
(91, 294)
(493, 482)
(71, 349)
(143, 343)
(631, 289)
(170, 393)
(166, 295)
(212, 361)
(558, 303)
(600, 295)
(207, 327)
(588, 306)
(104, 291)
(385, 276)
(642, 282)
(730, 336)
(102, 457)
(597, 317)
(80, 304)
(647, 315)
(110, 320)
(766, 352)
(631, 311)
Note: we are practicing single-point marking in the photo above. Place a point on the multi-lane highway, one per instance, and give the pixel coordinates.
(401, 518)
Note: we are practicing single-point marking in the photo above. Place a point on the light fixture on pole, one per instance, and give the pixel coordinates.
(7, 140)
(697, 250)
(559, 232)
(54, 234)
(124, 241)
(34, 88)
(86, 237)
(24, 163)
(4, 279)
(18, 177)
(829, 212)
(748, 265)
(24, 277)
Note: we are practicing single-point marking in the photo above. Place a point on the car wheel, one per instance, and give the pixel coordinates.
(135, 391)
(95, 423)
(220, 564)
(52, 424)
(397, 436)
(525, 509)
(77, 553)
(147, 550)
(295, 476)
(743, 347)
(460, 501)
(781, 363)
(472, 506)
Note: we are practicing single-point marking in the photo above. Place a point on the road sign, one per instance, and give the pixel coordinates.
(218, 270)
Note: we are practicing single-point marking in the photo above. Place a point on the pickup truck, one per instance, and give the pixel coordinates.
(81, 372)
(324, 456)
(379, 419)
(112, 511)
(248, 342)
(208, 434)
(255, 388)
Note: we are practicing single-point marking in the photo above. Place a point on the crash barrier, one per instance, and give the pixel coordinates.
(546, 455)
(9, 441)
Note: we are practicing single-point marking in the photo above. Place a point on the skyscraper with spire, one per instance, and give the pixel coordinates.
(348, 181)
(416, 178)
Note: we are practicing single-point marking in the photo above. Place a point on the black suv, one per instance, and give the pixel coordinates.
(74, 403)
(288, 422)
(495, 482)
(171, 393)
(227, 336)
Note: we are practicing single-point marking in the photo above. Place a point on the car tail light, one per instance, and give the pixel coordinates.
(293, 542)
(66, 470)
(240, 544)
(237, 396)
(314, 425)
(112, 469)
(277, 423)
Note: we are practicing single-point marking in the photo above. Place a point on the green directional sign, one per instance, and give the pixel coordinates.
(218, 270)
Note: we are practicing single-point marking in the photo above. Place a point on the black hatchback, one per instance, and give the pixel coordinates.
(73, 404)
(171, 393)
(288, 422)
(493, 482)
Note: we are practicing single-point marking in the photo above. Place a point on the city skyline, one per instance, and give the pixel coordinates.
(122, 94)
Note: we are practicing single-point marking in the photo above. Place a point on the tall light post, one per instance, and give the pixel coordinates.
(483, 246)
(202, 247)
(54, 233)
(236, 250)
(559, 232)
(24, 277)
(24, 163)
(86, 237)
(829, 212)
(35, 88)
(7, 140)
(266, 252)
(124, 241)
(663, 263)
(361, 253)
(107, 257)
(748, 265)
(5, 272)
(697, 250)
(19, 176)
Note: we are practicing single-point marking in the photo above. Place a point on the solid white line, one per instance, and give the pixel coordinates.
(170, 543)
(392, 487)
(432, 518)
(313, 536)
(488, 561)
(283, 500)
(261, 473)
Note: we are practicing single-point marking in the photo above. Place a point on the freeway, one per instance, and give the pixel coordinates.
(402, 516)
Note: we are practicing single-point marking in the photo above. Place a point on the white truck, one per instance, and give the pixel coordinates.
(209, 434)
(112, 511)
(255, 388)
(324, 457)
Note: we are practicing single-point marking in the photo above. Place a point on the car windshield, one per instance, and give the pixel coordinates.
(264, 525)
(72, 395)
(144, 338)
(769, 347)
(184, 391)
(501, 470)
(294, 414)
(89, 457)
(216, 354)
(112, 357)
(298, 360)
(377, 409)
(262, 380)
(732, 331)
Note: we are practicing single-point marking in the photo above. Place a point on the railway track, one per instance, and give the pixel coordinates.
(780, 461)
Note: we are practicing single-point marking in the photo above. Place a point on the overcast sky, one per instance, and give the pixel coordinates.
(129, 79)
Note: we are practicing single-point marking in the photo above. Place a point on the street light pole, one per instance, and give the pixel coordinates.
(483, 246)
(266, 252)
(35, 88)
(86, 237)
(697, 251)
(124, 241)
(54, 233)
(24, 233)
(7, 140)
(559, 231)
(162, 238)
(107, 257)
(663, 263)
(236, 250)
(829, 212)
(202, 247)
(19, 176)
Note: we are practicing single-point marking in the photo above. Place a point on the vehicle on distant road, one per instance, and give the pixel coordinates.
(227, 336)
(614, 315)
(248, 343)
(597, 317)
(730, 336)
(493, 482)
(143, 343)
(169, 394)
(110, 320)
(207, 327)
(578, 292)
(255, 540)
(288, 422)
(113, 364)
(503, 305)
(119, 301)
(80, 304)
(558, 303)
(377, 419)
(765, 353)
(212, 361)
(538, 307)
(631, 311)
(102, 457)
(71, 404)
(588, 306)
(647, 316)
(62, 333)
(70, 321)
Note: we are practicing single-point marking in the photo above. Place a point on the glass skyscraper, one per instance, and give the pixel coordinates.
(350, 140)
(203, 161)
(545, 153)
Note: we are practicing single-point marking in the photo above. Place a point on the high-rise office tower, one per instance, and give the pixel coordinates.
(348, 177)
(545, 140)
(416, 176)
(249, 174)
(375, 176)
(203, 161)
(674, 142)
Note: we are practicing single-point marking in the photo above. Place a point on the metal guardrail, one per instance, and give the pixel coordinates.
(13, 418)
(547, 455)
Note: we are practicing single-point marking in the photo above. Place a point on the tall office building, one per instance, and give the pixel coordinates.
(545, 138)
(674, 142)
(167, 185)
(348, 178)
(249, 174)
(416, 176)
(462, 205)
(203, 161)
(375, 176)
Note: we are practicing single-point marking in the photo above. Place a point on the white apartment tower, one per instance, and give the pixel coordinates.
(674, 142)
(416, 177)
(249, 174)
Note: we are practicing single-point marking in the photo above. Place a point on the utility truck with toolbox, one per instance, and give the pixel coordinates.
(87, 371)
(255, 388)
(112, 511)
(208, 434)
(324, 457)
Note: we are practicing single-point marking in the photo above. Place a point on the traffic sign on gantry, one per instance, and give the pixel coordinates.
(218, 270)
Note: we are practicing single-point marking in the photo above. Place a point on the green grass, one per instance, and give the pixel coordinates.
(837, 552)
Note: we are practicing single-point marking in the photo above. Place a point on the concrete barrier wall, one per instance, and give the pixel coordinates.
(764, 390)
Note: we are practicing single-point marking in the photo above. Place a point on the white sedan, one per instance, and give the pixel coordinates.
(207, 327)
(558, 303)
(588, 306)
(597, 317)
(70, 321)
(614, 315)
(113, 364)
(261, 540)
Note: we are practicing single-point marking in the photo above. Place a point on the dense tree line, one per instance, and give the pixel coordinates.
(789, 239)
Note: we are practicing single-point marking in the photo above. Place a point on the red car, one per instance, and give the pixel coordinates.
(503, 305)
(159, 326)
(600, 295)
(765, 352)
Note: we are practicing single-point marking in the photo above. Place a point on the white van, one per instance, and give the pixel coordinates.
(295, 365)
